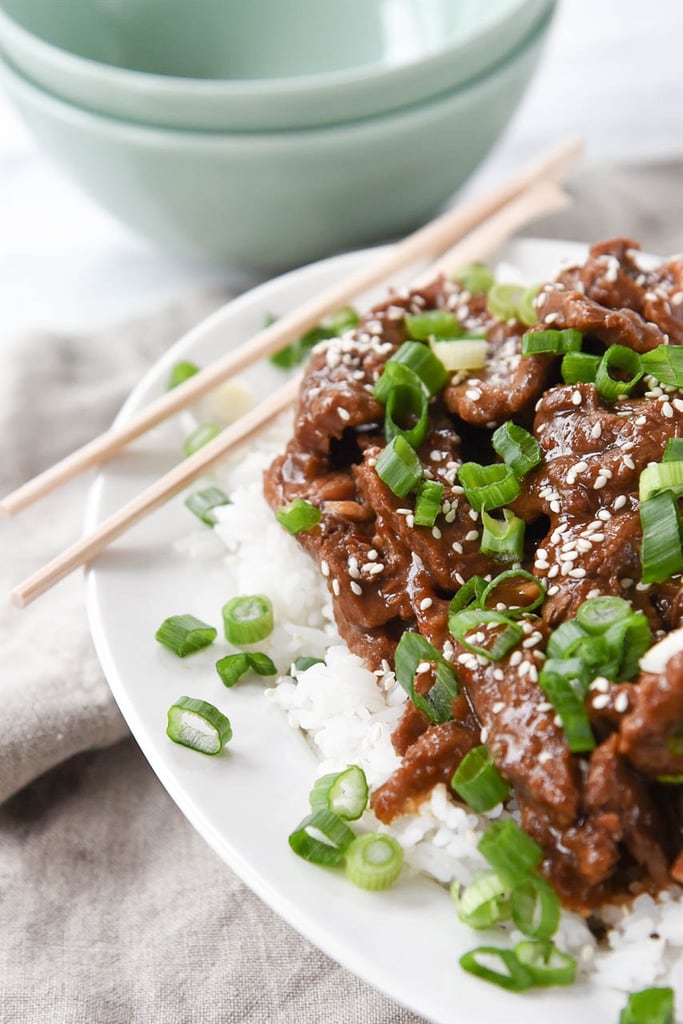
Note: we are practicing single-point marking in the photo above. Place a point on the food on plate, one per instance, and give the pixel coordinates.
(499, 524)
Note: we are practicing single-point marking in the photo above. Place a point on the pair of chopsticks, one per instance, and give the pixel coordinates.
(461, 235)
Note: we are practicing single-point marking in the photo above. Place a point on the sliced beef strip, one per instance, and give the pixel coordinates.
(653, 730)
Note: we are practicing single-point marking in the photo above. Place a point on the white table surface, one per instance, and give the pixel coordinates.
(612, 71)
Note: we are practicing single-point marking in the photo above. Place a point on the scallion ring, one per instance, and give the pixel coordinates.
(232, 667)
(299, 516)
(511, 975)
(552, 342)
(535, 908)
(412, 651)
(519, 590)
(504, 539)
(597, 614)
(624, 360)
(478, 782)
(510, 851)
(579, 368)
(406, 404)
(468, 596)
(345, 793)
(484, 902)
(428, 503)
(421, 360)
(322, 838)
(661, 554)
(461, 354)
(433, 323)
(476, 278)
(185, 634)
(246, 620)
(546, 964)
(517, 447)
(673, 452)
(374, 861)
(203, 503)
(503, 300)
(526, 308)
(564, 682)
(399, 467)
(665, 363)
(651, 1006)
(662, 476)
(488, 487)
(199, 725)
(181, 372)
(199, 437)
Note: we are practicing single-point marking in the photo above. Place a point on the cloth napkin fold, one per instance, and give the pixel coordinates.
(119, 912)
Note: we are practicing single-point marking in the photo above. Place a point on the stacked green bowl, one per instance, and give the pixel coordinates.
(265, 134)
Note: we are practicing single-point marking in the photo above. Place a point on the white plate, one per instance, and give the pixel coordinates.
(406, 941)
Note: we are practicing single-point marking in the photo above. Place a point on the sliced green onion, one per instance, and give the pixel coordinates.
(562, 638)
(345, 793)
(597, 657)
(295, 353)
(674, 450)
(180, 373)
(503, 540)
(629, 639)
(510, 852)
(344, 319)
(434, 323)
(476, 278)
(199, 725)
(478, 782)
(663, 476)
(625, 360)
(468, 596)
(199, 437)
(393, 375)
(246, 620)
(564, 683)
(665, 363)
(374, 861)
(404, 404)
(202, 503)
(232, 667)
(661, 555)
(421, 360)
(503, 300)
(428, 503)
(184, 634)
(516, 447)
(488, 487)
(526, 309)
(303, 663)
(546, 964)
(597, 614)
(470, 620)
(412, 651)
(299, 516)
(329, 850)
(579, 368)
(524, 581)
(461, 354)
(651, 1006)
(484, 902)
(670, 780)
(512, 976)
(535, 908)
(554, 342)
(399, 467)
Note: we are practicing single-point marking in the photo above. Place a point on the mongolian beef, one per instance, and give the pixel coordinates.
(550, 473)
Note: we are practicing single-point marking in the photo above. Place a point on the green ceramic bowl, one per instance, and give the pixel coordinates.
(260, 65)
(277, 199)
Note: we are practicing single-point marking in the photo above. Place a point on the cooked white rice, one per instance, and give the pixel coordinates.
(347, 715)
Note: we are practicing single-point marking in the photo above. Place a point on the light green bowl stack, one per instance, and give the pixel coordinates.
(266, 198)
(258, 65)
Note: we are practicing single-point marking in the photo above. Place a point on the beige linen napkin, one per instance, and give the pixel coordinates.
(112, 910)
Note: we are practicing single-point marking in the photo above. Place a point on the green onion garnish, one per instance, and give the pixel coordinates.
(665, 363)
(421, 360)
(503, 540)
(529, 593)
(624, 360)
(184, 634)
(564, 682)
(399, 467)
(328, 851)
(512, 974)
(629, 638)
(468, 596)
(546, 964)
(297, 351)
(503, 300)
(246, 620)
(478, 781)
(488, 487)
(673, 451)
(476, 278)
(579, 368)
(553, 342)
(301, 664)
(510, 851)
(232, 667)
(406, 404)
(392, 375)
(562, 638)
(526, 309)
(374, 861)
(535, 908)
(597, 614)
(299, 516)
(345, 793)
(434, 323)
(199, 725)
(428, 503)
(476, 620)
(202, 503)
(344, 319)
(461, 353)
(199, 437)
(661, 555)
(662, 476)
(180, 373)
(517, 447)
(484, 902)
(412, 651)
(651, 1006)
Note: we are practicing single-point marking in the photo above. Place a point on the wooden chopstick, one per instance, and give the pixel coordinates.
(493, 233)
(426, 242)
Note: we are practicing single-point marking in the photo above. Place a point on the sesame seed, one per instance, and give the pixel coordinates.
(515, 658)
(553, 571)
(626, 582)
(423, 667)
(450, 516)
(410, 521)
(356, 588)
(601, 701)
(472, 535)
(425, 603)
(474, 515)
(344, 414)
(336, 589)
(545, 705)
(553, 590)
(604, 514)
(600, 684)
(667, 410)
(498, 706)
(436, 456)
(436, 533)
(596, 430)
(600, 482)
(555, 507)
(324, 568)
(628, 462)
(484, 735)
(621, 702)
(498, 674)
(375, 568)
(457, 547)
(372, 554)
(641, 421)
(577, 574)
(619, 502)
(474, 394)
(576, 398)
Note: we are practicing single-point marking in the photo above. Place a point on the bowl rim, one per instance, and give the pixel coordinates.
(253, 89)
(336, 134)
